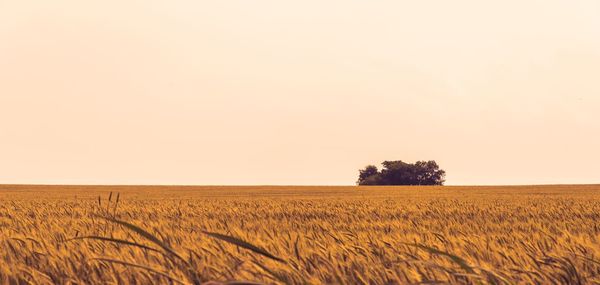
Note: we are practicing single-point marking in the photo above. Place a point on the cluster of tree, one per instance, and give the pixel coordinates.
(402, 173)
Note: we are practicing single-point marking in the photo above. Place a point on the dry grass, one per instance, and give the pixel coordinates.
(300, 235)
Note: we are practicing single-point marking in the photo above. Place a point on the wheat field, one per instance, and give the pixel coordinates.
(299, 235)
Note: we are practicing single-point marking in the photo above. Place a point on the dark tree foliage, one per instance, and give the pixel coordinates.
(402, 173)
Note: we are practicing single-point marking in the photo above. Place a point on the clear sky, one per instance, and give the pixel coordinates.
(298, 92)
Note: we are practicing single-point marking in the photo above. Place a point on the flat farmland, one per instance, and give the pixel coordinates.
(299, 235)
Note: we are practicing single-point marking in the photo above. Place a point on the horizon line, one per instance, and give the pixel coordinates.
(293, 185)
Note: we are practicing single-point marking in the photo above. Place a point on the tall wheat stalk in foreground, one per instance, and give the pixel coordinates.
(176, 259)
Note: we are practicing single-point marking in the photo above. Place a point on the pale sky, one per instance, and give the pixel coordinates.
(298, 92)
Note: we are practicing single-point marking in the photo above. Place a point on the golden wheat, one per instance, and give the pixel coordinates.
(300, 235)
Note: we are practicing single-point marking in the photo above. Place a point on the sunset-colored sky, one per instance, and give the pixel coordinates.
(298, 92)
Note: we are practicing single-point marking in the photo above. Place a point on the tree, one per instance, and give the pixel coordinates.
(368, 176)
(402, 173)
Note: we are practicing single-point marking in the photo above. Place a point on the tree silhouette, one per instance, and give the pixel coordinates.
(402, 173)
